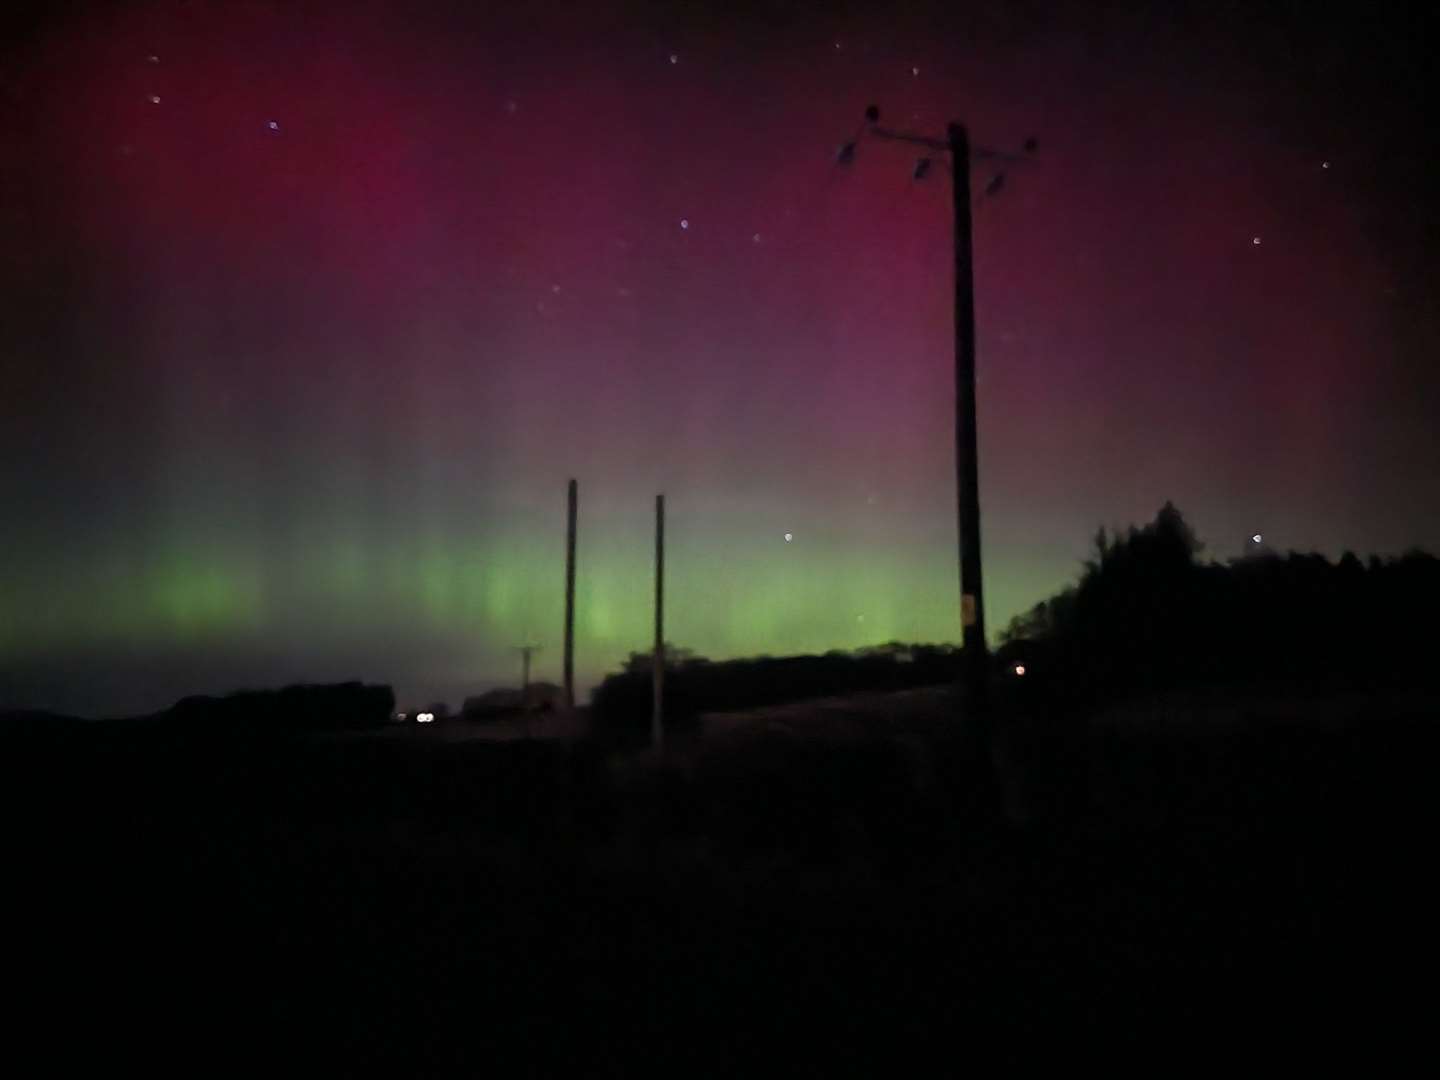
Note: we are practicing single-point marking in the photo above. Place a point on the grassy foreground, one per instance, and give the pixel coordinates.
(1173, 879)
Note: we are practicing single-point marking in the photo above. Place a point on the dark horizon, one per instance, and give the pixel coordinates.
(1148, 612)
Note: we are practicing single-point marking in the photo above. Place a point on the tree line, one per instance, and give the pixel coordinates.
(1147, 613)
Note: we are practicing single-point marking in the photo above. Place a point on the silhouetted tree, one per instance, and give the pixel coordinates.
(640, 663)
(1147, 614)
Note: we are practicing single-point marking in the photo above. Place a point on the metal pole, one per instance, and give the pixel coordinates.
(657, 715)
(967, 471)
(570, 600)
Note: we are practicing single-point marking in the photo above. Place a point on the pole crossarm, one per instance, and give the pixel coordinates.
(943, 145)
(909, 137)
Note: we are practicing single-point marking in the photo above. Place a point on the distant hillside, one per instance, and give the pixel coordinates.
(347, 706)
(37, 723)
(694, 685)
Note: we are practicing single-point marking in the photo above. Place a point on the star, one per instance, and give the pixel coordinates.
(152, 59)
(914, 71)
(755, 239)
(154, 99)
(1255, 539)
(555, 289)
(273, 125)
(674, 58)
(789, 537)
(1255, 240)
(1324, 164)
(684, 223)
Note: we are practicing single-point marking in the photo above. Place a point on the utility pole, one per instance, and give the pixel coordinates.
(657, 715)
(570, 598)
(975, 657)
(525, 651)
(974, 654)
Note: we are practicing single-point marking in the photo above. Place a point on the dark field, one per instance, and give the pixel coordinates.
(1179, 880)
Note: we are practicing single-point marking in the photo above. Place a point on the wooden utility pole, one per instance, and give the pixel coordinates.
(975, 661)
(975, 658)
(657, 716)
(570, 599)
(967, 465)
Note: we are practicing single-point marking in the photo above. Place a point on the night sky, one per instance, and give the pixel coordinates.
(311, 310)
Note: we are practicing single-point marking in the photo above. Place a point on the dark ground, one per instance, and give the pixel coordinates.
(1236, 884)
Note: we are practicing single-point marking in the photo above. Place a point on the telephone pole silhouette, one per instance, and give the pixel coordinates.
(570, 597)
(956, 144)
(967, 448)
(525, 651)
(657, 715)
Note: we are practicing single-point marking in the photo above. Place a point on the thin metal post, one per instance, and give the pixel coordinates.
(570, 599)
(657, 715)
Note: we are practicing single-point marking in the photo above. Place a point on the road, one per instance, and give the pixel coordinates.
(853, 716)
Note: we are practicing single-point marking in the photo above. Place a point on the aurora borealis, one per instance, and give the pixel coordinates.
(311, 309)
